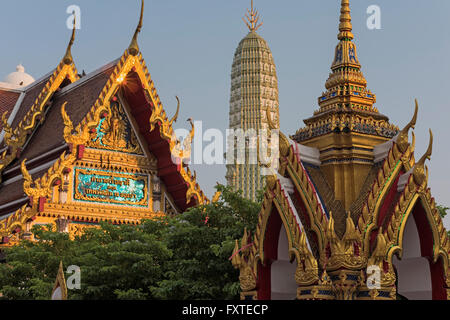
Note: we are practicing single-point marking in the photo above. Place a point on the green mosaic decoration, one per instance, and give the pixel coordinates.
(111, 187)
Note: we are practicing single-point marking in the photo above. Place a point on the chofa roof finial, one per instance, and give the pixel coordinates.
(68, 56)
(427, 155)
(420, 171)
(402, 140)
(133, 49)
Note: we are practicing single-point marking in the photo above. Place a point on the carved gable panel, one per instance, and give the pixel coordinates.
(114, 131)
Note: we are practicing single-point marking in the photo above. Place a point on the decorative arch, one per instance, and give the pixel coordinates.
(275, 213)
(420, 217)
(255, 259)
(278, 230)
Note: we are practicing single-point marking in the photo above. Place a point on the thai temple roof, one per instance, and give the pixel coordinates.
(46, 131)
(348, 195)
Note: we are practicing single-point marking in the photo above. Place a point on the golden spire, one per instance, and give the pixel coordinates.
(252, 19)
(68, 56)
(133, 49)
(345, 27)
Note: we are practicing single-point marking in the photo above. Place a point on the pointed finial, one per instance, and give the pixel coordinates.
(402, 139)
(252, 19)
(345, 27)
(330, 228)
(175, 117)
(59, 291)
(244, 240)
(380, 248)
(68, 56)
(133, 49)
(428, 153)
(413, 121)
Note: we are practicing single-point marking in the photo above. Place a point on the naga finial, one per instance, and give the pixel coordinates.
(192, 132)
(428, 153)
(26, 175)
(5, 119)
(7, 128)
(133, 49)
(187, 142)
(419, 174)
(175, 117)
(216, 196)
(403, 137)
(68, 125)
(68, 59)
(252, 19)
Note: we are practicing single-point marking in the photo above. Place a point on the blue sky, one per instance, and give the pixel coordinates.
(189, 47)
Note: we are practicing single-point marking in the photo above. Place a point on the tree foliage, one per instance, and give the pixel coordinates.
(443, 212)
(180, 257)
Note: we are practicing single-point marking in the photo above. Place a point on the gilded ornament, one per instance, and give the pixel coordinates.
(252, 19)
(7, 129)
(307, 272)
(420, 173)
(175, 117)
(133, 49)
(403, 140)
(68, 56)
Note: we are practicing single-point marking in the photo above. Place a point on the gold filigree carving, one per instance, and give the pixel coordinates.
(16, 139)
(114, 132)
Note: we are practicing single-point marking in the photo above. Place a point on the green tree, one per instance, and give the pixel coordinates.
(181, 257)
(443, 212)
(202, 240)
(113, 260)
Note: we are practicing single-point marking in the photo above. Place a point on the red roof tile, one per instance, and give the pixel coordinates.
(8, 100)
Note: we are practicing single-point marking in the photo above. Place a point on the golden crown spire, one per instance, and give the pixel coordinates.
(68, 56)
(252, 19)
(345, 27)
(133, 49)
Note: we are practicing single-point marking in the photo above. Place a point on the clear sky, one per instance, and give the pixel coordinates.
(189, 48)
